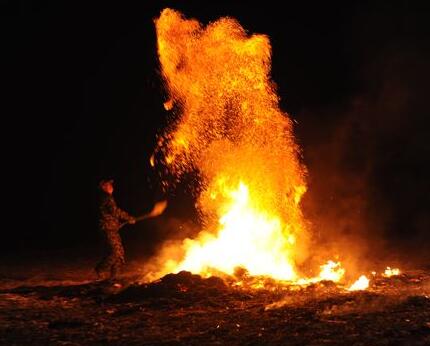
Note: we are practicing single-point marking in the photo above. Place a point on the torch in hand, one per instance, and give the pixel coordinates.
(157, 210)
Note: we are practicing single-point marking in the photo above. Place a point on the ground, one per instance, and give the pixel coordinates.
(186, 309)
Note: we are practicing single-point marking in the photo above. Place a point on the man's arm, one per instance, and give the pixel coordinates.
(122, 215)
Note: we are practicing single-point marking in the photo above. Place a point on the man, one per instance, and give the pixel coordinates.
(112, 218)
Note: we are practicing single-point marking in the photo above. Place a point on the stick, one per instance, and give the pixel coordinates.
(156, 211)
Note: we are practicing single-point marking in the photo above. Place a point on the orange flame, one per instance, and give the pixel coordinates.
(247, 237)
(158, 209)
(231, 131)
(391, 272)
(361, 284)
(332, 271)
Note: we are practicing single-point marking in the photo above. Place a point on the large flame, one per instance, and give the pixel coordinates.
(247, 237)
(232, 132)
(362, 283)
(228, 129)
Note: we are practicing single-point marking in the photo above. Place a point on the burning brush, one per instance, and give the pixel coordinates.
(157, 210)
(230, 130)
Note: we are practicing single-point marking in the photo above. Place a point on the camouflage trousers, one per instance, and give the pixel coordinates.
(113, 259)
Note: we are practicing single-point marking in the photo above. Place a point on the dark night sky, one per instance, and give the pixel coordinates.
(87, 103)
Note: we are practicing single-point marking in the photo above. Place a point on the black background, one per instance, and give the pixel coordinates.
(86, 103)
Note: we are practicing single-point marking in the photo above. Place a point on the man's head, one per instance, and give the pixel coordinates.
(107, 186)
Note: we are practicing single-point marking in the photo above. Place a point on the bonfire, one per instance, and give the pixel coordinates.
(246, 276)
(228, 129)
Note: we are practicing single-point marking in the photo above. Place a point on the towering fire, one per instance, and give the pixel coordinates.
(228, 129)
(231, 131)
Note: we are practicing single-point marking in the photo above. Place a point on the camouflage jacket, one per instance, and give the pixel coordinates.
(111, 216)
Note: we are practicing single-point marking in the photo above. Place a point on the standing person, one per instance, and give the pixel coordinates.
(112, 218)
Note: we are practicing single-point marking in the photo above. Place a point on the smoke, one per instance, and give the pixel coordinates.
(368, 168)
(167, 250)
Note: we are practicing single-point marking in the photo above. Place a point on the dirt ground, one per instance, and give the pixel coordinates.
(184, 309)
